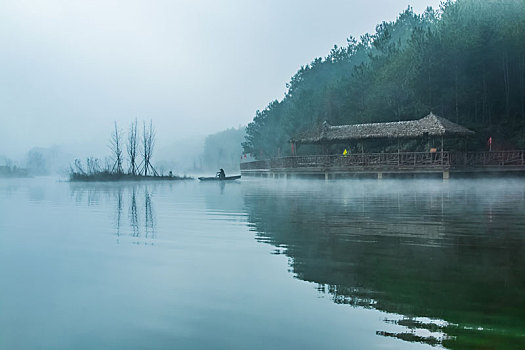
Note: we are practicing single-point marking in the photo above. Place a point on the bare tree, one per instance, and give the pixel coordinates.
(93, 166)
(108, 165)
(132, 148)
(148, 142)
(116, 148)
(78, 167)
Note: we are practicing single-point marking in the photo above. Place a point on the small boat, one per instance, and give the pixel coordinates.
(216, 178)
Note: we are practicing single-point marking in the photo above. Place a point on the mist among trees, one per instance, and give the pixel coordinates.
(464, 62)
(223, 150)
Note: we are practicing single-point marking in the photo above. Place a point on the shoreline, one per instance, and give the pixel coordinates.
(124, 177)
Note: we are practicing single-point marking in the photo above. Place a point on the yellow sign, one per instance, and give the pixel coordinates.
(345, 152)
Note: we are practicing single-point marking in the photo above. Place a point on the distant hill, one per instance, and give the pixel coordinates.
(181, 156)
(223, 150)
(198, 155)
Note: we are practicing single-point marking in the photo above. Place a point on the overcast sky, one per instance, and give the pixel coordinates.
(68, 69)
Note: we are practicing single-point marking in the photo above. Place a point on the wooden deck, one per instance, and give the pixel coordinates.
(389, 163)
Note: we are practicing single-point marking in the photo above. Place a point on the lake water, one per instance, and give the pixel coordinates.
(262, 264)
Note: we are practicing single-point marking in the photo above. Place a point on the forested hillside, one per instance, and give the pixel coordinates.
(464, 62)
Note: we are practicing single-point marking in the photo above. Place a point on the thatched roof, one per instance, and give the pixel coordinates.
(431, 125)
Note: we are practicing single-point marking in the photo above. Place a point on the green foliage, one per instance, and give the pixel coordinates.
(465, 62)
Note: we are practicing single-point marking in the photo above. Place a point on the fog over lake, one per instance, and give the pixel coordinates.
(262, 264)
(69, 69)
(262, 174)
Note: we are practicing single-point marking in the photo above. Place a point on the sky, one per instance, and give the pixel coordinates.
(69, 69)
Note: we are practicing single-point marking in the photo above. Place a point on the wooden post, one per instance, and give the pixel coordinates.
(398, 153)
(442, 153)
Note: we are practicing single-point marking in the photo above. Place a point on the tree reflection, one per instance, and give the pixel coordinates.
(120, 196)
(119, 210)
(149, 225)
(453, 256)
(133, 216)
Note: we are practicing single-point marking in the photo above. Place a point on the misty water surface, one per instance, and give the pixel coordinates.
(262, 264)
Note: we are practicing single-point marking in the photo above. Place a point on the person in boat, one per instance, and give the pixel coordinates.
(221, 174)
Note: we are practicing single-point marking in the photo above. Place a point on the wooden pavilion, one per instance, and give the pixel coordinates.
(429, 126)
(401, 163)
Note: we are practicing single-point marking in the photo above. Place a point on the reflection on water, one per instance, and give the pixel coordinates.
(449, 257)
(137, 198)
(375, 264)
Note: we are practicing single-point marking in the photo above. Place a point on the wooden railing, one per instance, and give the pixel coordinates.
(256, 165)
(389, 161)
(488, 159)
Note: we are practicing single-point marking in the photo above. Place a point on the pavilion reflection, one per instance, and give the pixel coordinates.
(449, 262)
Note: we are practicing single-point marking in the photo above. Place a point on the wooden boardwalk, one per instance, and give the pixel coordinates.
(378, 164)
